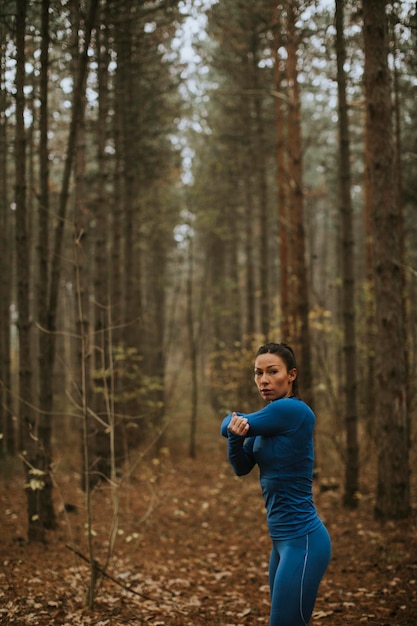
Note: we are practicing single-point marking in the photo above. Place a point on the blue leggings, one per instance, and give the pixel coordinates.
(296, 568)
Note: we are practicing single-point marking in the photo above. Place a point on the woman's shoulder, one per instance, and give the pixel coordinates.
(291, 401)
(295, 406)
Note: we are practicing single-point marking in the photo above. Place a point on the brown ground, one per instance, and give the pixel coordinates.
(192, 544)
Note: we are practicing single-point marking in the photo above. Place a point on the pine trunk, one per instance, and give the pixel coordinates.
(8, 442)
(45, 339)
(27, 420)
(393, 489)
(298, 249)
(282, 186)
(348, 274)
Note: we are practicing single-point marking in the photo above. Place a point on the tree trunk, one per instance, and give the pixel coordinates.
(104, 380)
(400, 203)
(81, 256)
(131, 275)
(264, 268)
(155, 315)
(31, 453)
(369, 388)
(348, 274)
(249, 265)
(249, 194)
(283, 231)
(45, 339)
(192, 340)
(393, 489)
(8, 442)
(132, 279)
(298, 250)
(49, 309)
(218, 287)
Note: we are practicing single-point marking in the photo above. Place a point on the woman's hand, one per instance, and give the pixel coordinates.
(238, 425)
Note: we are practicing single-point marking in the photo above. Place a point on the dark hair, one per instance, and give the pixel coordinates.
(287, 355)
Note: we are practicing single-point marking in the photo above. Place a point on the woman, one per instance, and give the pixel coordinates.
(279, 439)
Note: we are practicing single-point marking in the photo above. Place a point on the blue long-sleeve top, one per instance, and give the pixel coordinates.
(280, 442)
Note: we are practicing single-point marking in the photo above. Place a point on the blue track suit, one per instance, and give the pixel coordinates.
(280, 442)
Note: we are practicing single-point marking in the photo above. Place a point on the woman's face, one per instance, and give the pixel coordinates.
(272, 377)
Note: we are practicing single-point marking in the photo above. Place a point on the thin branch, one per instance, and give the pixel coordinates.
(103, 572)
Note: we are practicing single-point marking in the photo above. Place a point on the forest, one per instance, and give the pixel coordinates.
(181, 182)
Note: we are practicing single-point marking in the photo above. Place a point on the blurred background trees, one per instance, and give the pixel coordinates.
(166, 209)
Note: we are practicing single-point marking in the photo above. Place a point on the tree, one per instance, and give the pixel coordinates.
(45, 387)
(193, 343)
(282, 179)
(49, 295)
(31, 447)
(105, 236)
(393, 488)
(348, 274)
(298, 262)
(8, 442)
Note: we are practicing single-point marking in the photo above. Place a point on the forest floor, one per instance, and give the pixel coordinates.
(191, 549)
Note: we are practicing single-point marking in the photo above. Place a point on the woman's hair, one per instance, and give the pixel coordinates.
(287, 355)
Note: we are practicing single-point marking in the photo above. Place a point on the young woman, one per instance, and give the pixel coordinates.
(279, 439)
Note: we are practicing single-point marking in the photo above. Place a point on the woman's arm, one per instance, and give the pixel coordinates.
(276, 418)
(240, 454)
(239, 449)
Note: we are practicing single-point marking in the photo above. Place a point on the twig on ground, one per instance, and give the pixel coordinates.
(107, 575)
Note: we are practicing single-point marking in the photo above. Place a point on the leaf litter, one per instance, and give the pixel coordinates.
(192, 550)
